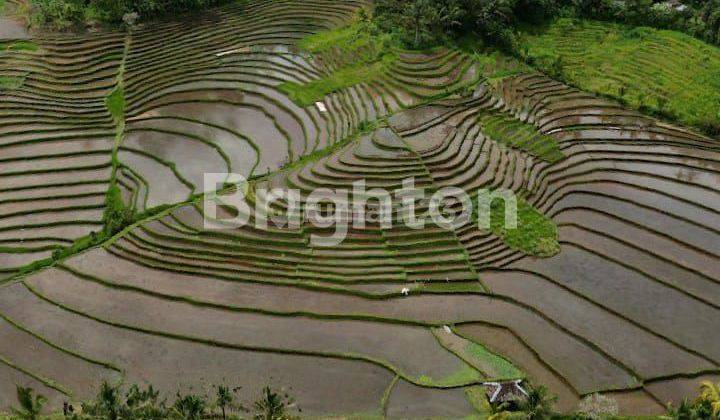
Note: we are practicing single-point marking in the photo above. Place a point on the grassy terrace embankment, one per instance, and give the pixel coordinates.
(662, 72)
(355, 56)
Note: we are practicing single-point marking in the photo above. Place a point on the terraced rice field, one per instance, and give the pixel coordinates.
(665, 72)
(609, 285)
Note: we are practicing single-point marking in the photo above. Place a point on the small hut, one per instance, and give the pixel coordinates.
(505, 392)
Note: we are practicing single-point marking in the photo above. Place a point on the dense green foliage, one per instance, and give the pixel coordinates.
(117, 216)
(66, 14)
(679, 77)
(423, 23)
(112, 403)
(705, 407)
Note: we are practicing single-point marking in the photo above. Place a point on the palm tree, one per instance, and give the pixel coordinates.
(189, 407)
(710, 393)
(224, 399)
(272, 406)
(685, 411)
(538, 405)
(107, 403)
(143, 404)
(30, 405)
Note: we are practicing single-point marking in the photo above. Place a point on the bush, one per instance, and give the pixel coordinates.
(190, 407)
(116, 216)
(30, 404)
(57, 14)
(598, 407)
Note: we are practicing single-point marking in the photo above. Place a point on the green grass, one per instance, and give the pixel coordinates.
(536, 234)
(19, 46)
(309, 93)
(451, 287)
(325, 41)
(502, 369)
(463, 376)
(661, 72)
(115, 103)
(11, 83)
(520, 135)
(360, 54)
(117, 216)
(476, 397)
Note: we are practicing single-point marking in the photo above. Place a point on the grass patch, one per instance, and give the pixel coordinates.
(115, 103)
(463, 376)
(520, 135)
(309, 93)
(359, 53)
(19, 46)
(536, 234)
(451, 287)
(661, 72)
(477, 398)
(11, 83)
(503, 369)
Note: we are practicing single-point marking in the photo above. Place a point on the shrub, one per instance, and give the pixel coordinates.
(189, 407)
(273, 406)
(537, 406)
(598, 407)
(57, 14)
(116, 216)
(30, 404)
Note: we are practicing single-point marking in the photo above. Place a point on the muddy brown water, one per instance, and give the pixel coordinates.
(409, 401)
(378, 341)
(633, 295)
(166, 362)
(619, 338)
(450, 308)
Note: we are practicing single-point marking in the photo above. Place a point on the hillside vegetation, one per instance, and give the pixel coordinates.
(66, 14)
(663, 72)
